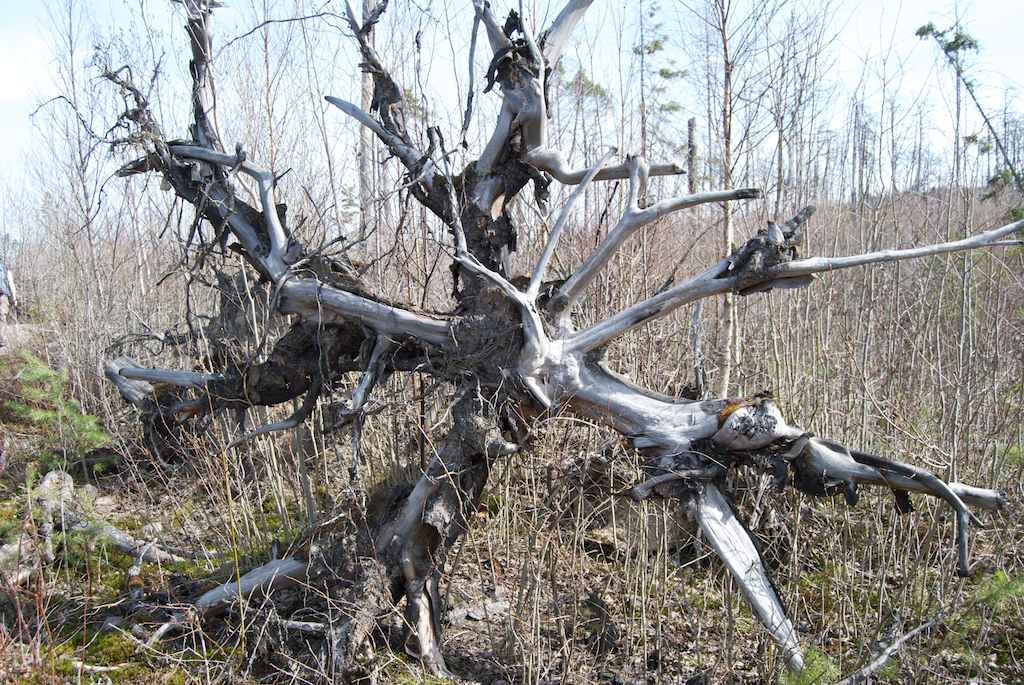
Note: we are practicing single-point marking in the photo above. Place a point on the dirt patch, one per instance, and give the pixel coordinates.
(24, 336)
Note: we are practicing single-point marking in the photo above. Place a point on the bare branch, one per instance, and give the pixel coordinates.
(665, 424)
(561, 28)
(372, 373)
(259, 582)
(138, 392)
(833, 464)
(292, 421)
(862, 675)
(535, 117)
(733, 544)
(642, 491)
(721, 279)
(633, 219)
(275, 261)
(549, 248)
(204, 104)
(499, 41)
(409, 156)
(496, 144)
(555, 163)
(314, 301)
(270, 22)
(183, 379)
(815, 265)
(479, 8)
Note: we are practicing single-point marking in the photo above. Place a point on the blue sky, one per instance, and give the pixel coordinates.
(875, 27)
(21, 51)
(995, 24)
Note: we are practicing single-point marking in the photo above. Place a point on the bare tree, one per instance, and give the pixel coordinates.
(505, 346)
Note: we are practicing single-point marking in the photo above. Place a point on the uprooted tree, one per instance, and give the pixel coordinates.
(504, 347)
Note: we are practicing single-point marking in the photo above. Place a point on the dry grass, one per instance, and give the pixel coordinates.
(561, 579)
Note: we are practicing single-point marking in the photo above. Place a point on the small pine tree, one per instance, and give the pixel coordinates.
(46, 403)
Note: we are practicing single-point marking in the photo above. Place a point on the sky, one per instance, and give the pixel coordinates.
(878, 24)
(871, 28)
(21, 50)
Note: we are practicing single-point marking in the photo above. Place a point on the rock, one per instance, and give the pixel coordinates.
(152, 529)
(88, 494)
(481, 610)
(110, 623)
(58, 481)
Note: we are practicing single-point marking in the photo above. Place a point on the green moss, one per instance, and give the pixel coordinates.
(495, 502)
(103, 649)
(1014, 456)
(87, 560)
(999, 591)
(11, 518)
(818, 668)
(108, 649)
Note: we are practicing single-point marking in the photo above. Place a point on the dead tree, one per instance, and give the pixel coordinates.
(503, 345)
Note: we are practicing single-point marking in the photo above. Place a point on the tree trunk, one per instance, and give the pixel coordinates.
(729, 345)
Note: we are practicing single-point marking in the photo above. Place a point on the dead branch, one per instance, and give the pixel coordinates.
(541, 360)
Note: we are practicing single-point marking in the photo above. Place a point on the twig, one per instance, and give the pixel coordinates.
(869, 670)
(89, 668)
(292, 421)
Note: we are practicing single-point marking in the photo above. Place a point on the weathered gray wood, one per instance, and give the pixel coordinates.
(540, 269)
(315, 301)
(556, 364)
(555, 163)
(717, 280)
(733, 544)
(184, 379)
(138, 392)
(261, 581)
(275, 260)
(632, 219)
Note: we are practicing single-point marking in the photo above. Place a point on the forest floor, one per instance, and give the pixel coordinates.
(558, 580)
